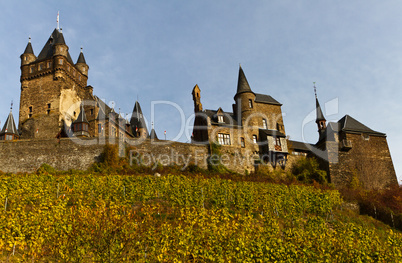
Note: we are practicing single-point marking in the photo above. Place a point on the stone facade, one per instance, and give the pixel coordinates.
(253, 131)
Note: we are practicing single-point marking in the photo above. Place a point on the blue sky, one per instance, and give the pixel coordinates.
(158, 51)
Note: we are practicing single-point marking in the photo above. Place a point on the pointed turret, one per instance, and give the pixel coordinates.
(137, 122)
(320, 119)
(28, 56)
(80, 125)
(152, 135)
(9, 131)
(242, 83)
(82, 64)
(244, 101)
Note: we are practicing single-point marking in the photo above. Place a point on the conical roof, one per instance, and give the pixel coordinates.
(82, 116)
(152, 135)
(81, 58)
(9, 127)
(29, 49)
(47, 51)
(242, 83)
(137, 118)
(320, 115)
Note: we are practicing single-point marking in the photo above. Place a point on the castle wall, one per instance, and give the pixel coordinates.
(28, 155)
(369, 160)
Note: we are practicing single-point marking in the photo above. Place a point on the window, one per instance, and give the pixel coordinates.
(366, 137)
(92, 111)
(49, 64)
(48, 108)
(254, 138)
(30, 109)
(61, 61)
(31, 70)
(75, 113)
(278, 141)
(9, 137)
(224, 139)
(264, 124)
(250, 103)
(242, 143)
(220, 118)
(40, 66)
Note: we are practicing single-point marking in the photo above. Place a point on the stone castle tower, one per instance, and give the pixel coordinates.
(52, 88)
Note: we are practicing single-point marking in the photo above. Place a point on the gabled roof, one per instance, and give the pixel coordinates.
(81, 58)
(320, 115)
(349, 124)
(9, 127)
(228, 118)
(81, 117)
(262, 98)
(137, 118)
(242, 83)
(47, 51)
(104, 109)
(29, 49)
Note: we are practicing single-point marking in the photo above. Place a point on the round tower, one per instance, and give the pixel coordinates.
(81, 64)
(245, 98)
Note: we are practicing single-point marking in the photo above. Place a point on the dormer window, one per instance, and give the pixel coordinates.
(220, 118)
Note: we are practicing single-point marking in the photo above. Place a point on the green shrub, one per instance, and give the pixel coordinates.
(307, 170)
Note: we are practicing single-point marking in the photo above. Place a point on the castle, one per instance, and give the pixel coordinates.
(56, 102)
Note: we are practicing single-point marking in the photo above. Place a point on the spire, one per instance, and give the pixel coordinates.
(58, 25)
(9, 127)
(152, 134)
(320, 120)
(29, 49)
(242, 83)
(81, 58)
(137, 121)
(82, 118)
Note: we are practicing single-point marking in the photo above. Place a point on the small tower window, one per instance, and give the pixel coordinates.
(49, 64)
(242, 143)
(31, 70)
(61, 61)
(250, 103)
(92, 111)
(40, 66)
(264, 124)
(48, 108)
(254, 138)
(30, 112)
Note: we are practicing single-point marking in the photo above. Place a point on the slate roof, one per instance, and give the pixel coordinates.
(320, 115)
(81, 58)
(47, 51)
(137, 118)
(262, 98)
(9, 126)
(81, 117)
(228, 118)
(242, 83)
(104, 109)
(153, 135)
(299, 146)
(349, 124)
(273, 133)
(29, 49)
